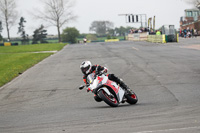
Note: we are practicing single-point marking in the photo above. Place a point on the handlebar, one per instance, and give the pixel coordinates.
(95, 76)
(98, 74)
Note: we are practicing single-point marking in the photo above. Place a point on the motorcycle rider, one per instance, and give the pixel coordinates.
(87, 68)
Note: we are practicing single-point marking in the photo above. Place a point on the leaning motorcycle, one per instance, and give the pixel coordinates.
(108, 91)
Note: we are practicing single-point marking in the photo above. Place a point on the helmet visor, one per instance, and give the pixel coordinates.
(85, 69)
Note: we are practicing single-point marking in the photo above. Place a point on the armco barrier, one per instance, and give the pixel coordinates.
(14, 44)
(112, 40)
(98, 41)
(7, 44)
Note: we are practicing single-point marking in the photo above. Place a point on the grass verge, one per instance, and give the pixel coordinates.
(14, 60)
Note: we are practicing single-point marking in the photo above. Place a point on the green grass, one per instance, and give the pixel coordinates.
(30, 42)
(14, 60)
(31, 48)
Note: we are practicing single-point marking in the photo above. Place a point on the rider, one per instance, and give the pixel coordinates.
(87, 68)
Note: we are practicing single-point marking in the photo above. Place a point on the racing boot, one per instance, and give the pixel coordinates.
(125, 87)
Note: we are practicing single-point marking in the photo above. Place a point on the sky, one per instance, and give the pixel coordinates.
(165, 11)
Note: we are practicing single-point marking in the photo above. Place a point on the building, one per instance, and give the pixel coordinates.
(191, 20)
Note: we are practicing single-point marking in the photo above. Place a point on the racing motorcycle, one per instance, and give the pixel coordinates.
(108, 91)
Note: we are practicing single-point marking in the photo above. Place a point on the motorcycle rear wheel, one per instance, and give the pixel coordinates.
(131, 99)
(112, 101)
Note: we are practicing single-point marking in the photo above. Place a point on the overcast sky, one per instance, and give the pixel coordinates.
(166, 12)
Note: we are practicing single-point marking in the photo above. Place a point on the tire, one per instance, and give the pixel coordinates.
(97, 98)
(132, 99)
(107, 99)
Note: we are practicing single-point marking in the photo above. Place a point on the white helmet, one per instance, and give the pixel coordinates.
(86, 67)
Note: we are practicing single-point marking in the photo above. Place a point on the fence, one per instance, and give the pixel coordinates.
(111, 40)
(8, 44)
(138, 36)
(156, 38)
(153, 38)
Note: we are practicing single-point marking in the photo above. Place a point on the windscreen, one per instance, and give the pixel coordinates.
(90, 78)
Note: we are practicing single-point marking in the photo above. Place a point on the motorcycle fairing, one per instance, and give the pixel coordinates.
(107, 85)
(116, 88)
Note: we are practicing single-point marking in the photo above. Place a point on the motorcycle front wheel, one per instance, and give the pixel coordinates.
(110, 100)
(132, 99)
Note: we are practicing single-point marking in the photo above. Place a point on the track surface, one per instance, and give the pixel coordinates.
(166, 78)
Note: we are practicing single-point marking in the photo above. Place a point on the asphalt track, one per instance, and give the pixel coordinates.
(166, 78)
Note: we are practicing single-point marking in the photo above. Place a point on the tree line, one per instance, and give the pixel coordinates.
(55, 12)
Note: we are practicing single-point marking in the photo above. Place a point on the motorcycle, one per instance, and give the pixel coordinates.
(108, 91)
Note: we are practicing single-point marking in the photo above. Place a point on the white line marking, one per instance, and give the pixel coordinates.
(175, 129)
(135, 48)
(44, 52)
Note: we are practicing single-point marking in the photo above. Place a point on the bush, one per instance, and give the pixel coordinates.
(91, 37)
(114, 37)
(70, 35)
(108, 37)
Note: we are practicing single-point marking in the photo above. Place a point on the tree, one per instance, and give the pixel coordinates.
(92, 37)
(196, 3)
(25, 39)
(70, 35)
(39, 35)
(57, 13)
(121, 30)
(8, 14)
(1, 29)
(101, 27)
(111, 32)
(192, 1)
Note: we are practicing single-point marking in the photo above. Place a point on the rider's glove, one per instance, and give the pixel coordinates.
(81, 87)
(104, 71)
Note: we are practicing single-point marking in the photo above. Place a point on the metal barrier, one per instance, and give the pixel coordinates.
(153, 38)
(138, 36)
(156, 38)
(163, 38)
(112, 40)
(8, 44)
